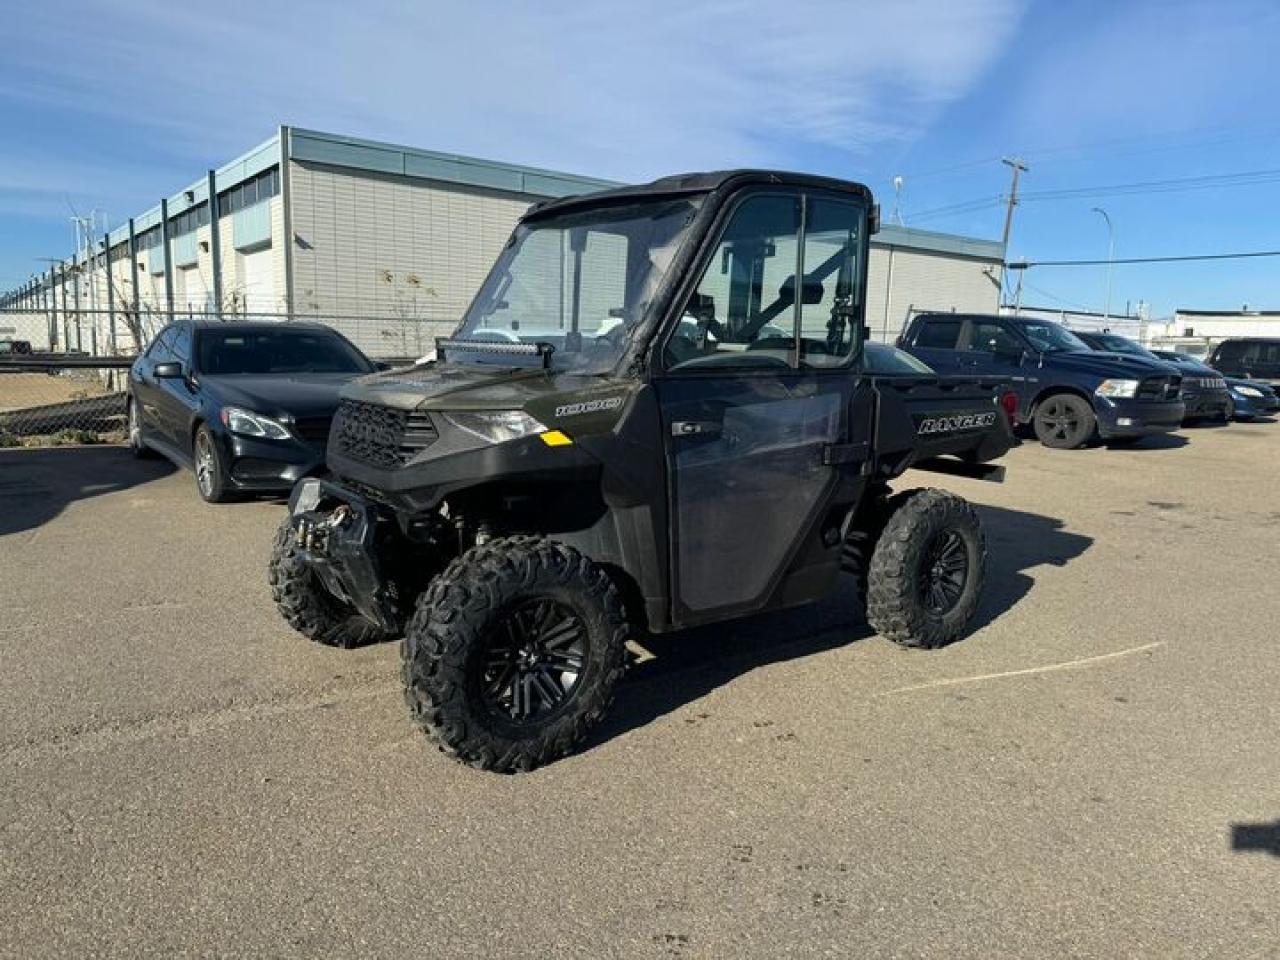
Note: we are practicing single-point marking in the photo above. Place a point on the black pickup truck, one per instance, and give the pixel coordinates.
(659, 411)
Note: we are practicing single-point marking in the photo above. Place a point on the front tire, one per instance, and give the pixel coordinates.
(211, 475)
(927, 571)
(1064, 421)
(307, 606)
(513, 653)
(133, 420)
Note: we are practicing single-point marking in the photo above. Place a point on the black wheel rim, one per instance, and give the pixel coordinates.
(532, 665)
(944, 572)
(1061, 420)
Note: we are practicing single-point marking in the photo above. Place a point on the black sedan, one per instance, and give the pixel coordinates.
(246, 406)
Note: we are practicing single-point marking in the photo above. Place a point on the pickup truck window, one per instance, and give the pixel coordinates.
(939, 334)
(1049, 337)
(989, 337)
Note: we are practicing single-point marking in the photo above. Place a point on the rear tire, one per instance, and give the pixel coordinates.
(307, 606)
(927, 571)
(1064, 421)
(513, 653)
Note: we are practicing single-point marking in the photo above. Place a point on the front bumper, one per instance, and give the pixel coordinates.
(335, 530)
(1206, 403)
(1122, 417)
(1247, 407)
(269, 465)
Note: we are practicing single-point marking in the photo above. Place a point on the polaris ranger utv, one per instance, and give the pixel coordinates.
(654, 414)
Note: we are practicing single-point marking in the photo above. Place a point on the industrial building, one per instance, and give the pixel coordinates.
(387, 243)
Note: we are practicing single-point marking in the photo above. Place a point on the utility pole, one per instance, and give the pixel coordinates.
(1018, 167)
(1111, 257)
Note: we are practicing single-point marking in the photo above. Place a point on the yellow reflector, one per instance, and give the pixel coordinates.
(554, 438)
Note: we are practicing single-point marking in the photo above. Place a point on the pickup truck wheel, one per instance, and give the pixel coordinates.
(307, 606)
(926, 574)
(1064, 421)
(513, 653)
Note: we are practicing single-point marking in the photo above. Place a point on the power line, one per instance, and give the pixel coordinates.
(1244, 178)
(1024, 264)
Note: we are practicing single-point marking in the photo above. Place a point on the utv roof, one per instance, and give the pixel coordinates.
(688, 183)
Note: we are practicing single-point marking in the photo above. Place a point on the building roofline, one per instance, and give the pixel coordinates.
(1241, 314)
(333, 149)
(891, 235)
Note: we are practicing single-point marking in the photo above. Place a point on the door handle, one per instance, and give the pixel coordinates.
(694, 428)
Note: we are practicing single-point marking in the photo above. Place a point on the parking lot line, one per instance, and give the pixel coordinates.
(1047, 668)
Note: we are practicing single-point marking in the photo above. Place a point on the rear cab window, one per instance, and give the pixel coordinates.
(939, 334)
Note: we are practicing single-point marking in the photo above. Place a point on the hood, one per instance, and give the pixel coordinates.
(449, 386)
(1109, 365)
(1262, 385)
(299, 395)
(1194, 368)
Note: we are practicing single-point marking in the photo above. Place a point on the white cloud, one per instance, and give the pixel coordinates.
(614, 89)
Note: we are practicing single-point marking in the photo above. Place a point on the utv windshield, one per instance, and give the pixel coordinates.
(1049, 337)
(581, 282)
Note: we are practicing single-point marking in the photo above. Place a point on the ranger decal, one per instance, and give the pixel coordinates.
(953, 424)
(589, 406)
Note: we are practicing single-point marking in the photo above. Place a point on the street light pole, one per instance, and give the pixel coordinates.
(1111, 261)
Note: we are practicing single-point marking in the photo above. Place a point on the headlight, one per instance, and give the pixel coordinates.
(497, 426)
(1117, 388)
(250, 424)
(1248, 391)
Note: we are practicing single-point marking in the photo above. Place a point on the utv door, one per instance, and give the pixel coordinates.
(766, 422)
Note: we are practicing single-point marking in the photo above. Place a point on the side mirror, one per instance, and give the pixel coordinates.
(171, 370)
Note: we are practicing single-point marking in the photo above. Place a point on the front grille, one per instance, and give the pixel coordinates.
(380, 436)
(313, 430)
(1160, 388)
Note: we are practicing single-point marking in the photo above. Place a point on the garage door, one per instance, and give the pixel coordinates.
(191, 293)
(259, 281)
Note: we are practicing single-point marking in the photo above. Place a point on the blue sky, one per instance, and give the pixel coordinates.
(109, 105)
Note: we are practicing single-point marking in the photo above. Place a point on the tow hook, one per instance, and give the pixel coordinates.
(313, 533)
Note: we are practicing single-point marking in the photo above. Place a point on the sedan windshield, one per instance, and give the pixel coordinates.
(581, 282)
(239, 351)
(1117, 344)
(1049, 337)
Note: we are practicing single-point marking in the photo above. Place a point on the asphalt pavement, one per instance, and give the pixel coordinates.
(1094, 772)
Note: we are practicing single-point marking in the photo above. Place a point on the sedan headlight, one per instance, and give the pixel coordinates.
(1117, 388)
(496, 426)
(250, 424)
(1248, 391)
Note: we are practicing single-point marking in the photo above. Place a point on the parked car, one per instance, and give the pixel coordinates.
(1249, 358)
(1246, 399)
(246, 406)
(15, 347)
(1067, 392)
(1203, 390)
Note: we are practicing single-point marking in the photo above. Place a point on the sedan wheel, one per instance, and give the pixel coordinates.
(210, 479)
(134, 426)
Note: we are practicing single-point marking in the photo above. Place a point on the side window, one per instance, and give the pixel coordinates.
(939, 334)
(988, 337)
(161, 349)
(832, 288)
(1268, 352)
(1230, 352)
(180, 343)
(742, 313)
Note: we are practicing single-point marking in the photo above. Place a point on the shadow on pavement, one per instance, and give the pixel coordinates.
(1157, 441)
(691, 663)
(37, 483)
(1256, 838)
